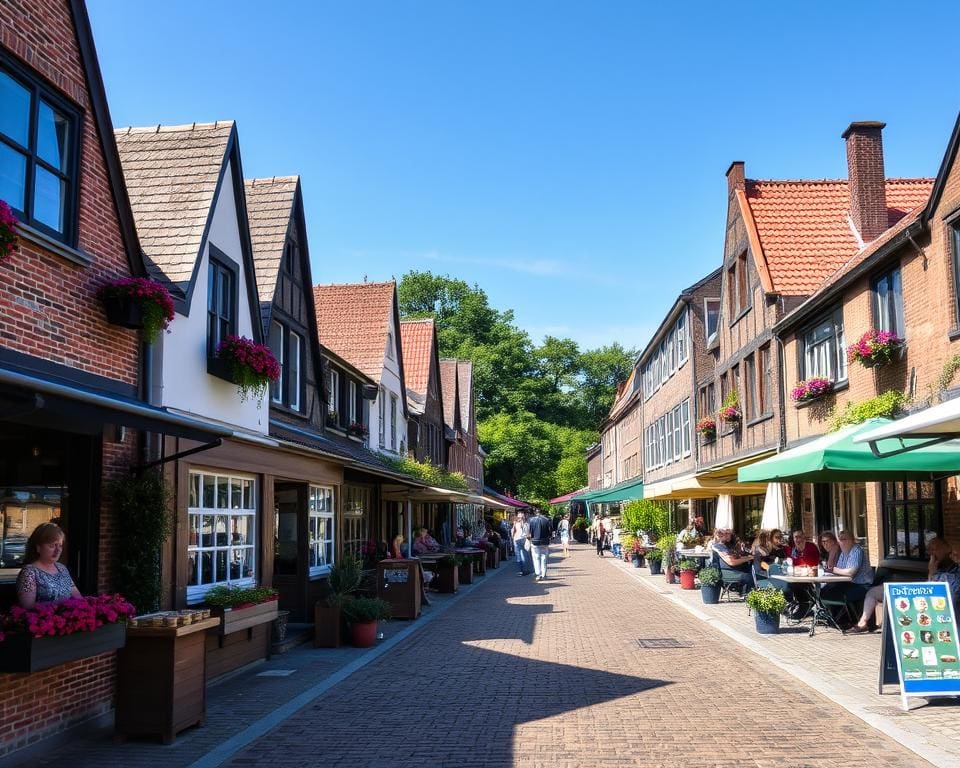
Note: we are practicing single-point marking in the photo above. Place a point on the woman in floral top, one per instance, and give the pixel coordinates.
(43, 579)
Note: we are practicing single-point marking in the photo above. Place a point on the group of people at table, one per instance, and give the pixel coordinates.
(838, 554)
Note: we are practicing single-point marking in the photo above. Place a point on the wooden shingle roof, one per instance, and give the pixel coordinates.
(269, 208)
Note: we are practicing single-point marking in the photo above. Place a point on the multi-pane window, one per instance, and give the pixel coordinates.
(668, 438)
(671, 353)
(287, 348)
(743, 283)
(222, 520)
(294, 356)
(393, 422)
(955, 242)
(333, 402)
(356, 512)
(320, 524)
(711, 311)
(38, 156)
(685, 426)
(382, 426)
(824, 349)
(221, 304)
(888, 303)
(751, 374)
(747, 515)
(765, 382)
(276, 346)
(912, 515)
(707, 400)
(352, 404)
(682, 338)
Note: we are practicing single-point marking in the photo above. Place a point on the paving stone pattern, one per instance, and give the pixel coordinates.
(551, 674)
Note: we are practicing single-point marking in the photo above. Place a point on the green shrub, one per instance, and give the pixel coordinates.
(689, 564)
(709, 576)
(365, 609)
(667, 544)
(427, 472)
(580, 524)
(231, 597)
(767, 600)
(885, 406)
(654, 555)
(644, 515)
(345, 578)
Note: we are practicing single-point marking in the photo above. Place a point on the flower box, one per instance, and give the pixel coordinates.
(731, 415)
(707, 429)
(252, 366)
(124, 312)
(22, 652)
(137, 302)
(812, 389)
(245, 616)
(875, 348)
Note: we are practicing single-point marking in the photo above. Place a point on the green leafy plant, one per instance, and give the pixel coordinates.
(654, 555)
(365, 609)
(709, 576)
(144, 520)
(627, 541)
(580, 524)
(688, 564)
(430, 474)
(886, 405)
(344, 579)
(644, 515)
(944, 379)
(767, 600)
(730, 408)
(233, 597)
(667, 544)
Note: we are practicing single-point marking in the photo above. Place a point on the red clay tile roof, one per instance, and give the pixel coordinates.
(448, 384)
(416, 337)
(804, 231)
(352, 321)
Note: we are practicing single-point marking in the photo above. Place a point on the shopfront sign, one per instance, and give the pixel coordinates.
(920, 631)
(396, 575)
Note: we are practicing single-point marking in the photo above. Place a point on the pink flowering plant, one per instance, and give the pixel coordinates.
(707, 428)
(252, 365)
(153, 298)
(8, 232)
(874, 348)
(730, 409)
(75, 614)
(358, 429)
(811, 389)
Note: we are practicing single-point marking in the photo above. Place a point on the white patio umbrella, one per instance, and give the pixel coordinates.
(774, 508)
(724, 516)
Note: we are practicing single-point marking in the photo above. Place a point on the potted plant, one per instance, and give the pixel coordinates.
(50, 633)
(710, 585)
(363, 614)
(358, 429)
(137, 302)
(875, 348)
(8, 232)
(730, 409)
(688, 573)
(811, 389)
(333, 419)
(343, 580)
(690, 539)
(252, 366)
(654, 558)
(579, 529)
(707, 429)
(667, 544)
(626, 546)
(767, 604)
(242, 607)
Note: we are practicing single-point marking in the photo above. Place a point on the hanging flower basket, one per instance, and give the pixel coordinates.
(805, 391)
(252, 366)
(731, 414)
(137, 302)
(8, 232)
(707, 428)
(875, 348)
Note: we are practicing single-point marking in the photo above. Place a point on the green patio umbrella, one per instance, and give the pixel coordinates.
(837, 458)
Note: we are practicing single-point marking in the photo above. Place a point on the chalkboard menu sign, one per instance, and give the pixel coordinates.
(923, 629)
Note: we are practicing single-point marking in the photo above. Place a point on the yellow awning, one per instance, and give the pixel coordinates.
(709, 483)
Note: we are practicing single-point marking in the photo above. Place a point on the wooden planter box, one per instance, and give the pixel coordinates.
(447, 578)
(235, 619)
(328, 625)
(162, 680)
(26, 653)
(399, 583)
(465, 572)
(493, 559)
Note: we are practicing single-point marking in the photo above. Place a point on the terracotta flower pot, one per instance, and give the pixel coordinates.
(364, 633)
(688, 579)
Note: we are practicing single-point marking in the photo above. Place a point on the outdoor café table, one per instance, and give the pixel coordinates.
(818, 611)
(704, 554)
(479, 557)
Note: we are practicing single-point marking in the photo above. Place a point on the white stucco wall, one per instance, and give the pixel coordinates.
(390, 381)
(186, 384)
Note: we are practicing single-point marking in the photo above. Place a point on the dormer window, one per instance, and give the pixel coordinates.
(221, 300)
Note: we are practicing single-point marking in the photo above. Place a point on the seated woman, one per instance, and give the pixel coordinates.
(852, 561)
(396, 547)
(777, 547)
(762, 552)
(724, 548)
(940, 567)
(829, 543)
(43, 579)
(425, 543)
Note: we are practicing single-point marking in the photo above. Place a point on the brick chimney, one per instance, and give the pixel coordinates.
(866, 178)
(735, 175)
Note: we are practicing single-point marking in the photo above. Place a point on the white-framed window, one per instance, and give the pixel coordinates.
(320, 525)
(682, 338)
(222, 521)
(394, 438)
(333, 405)
(824, 349)
(677, 434)
(711, 317)
(888, 303)
(352, 405)
(276, 346)
(685, 426)
(382, 426)
(293, 368)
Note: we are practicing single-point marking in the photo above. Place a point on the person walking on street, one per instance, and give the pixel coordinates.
(541, 532)
(519, 534)
(564, 528)
(601, 534)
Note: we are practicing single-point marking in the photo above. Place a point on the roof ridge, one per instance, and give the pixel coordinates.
(269, 180)
(354, 285)
(161, 128)
(416, 319)
(913, 179)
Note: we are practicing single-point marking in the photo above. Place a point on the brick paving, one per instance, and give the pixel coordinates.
(516, 673)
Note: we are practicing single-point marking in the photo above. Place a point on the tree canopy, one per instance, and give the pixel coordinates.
(538, 407)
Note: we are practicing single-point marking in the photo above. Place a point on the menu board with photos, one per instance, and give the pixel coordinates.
(924, 629)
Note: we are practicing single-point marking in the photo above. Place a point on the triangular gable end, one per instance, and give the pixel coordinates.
(398, 348)
(943, 174)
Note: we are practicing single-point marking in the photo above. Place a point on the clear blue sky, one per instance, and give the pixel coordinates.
(566, 156)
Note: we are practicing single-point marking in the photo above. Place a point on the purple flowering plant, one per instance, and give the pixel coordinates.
(874, 348)
(811, 389)
(8, 232)
(153, 297)
(252, 365)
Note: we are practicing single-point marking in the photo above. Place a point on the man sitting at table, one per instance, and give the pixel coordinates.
(940, 567)
(425, 543)
(803, 552)
(723, 547)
